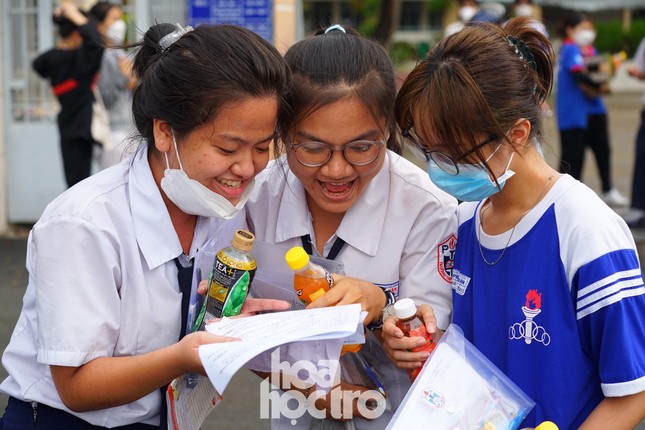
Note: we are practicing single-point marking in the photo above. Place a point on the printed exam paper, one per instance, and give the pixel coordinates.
(260, 333)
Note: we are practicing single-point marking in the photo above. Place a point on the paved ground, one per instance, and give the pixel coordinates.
(240, 408)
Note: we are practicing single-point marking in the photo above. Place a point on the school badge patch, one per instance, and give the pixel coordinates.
(446, 257)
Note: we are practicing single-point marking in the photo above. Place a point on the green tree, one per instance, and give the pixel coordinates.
(379, 18)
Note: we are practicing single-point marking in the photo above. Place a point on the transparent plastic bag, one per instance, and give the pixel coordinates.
(459, 387)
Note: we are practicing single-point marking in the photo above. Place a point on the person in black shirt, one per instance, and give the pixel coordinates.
(72, 69)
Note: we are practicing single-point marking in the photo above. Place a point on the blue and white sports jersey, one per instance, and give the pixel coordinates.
(571, 104)
(563, 311)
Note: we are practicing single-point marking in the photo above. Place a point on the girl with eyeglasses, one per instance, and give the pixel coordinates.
(547, 281)
(341, 190)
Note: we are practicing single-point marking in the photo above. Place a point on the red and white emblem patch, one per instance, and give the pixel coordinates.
(446, 257)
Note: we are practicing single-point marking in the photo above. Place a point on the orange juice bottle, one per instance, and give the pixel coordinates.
(310, 280)
(411, 326)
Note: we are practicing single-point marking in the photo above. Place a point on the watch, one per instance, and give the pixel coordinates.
(387, 311)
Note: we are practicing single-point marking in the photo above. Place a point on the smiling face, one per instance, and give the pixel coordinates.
(336, 185)
(226, 153)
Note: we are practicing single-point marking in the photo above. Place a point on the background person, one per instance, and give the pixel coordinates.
(116, 80)
(467, 9)
(581, 112)
(531, 241)
(526, 8)
(637, 218)
(71, 68)
(97, 335)
(342, 189)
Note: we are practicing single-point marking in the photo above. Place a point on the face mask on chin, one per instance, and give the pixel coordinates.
(192, 197)
(472, 183)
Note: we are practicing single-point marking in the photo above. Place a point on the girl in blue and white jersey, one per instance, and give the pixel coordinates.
(533, 245)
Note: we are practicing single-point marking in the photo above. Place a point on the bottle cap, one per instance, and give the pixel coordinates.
(243, 240)
(547, 425)
(297, 258)
(405, 308)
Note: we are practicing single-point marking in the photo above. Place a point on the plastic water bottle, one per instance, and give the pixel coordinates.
(310, 279)
(229, 280)
(411, 326)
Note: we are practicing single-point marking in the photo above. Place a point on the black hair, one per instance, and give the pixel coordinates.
(65, 25)
(570, 20)
(100, 10)
(189, 83)
(330, 66)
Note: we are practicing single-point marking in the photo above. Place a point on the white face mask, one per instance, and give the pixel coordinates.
(466, 13)
(192, 197)
(524, 10)
(116, 32)
(584, 38)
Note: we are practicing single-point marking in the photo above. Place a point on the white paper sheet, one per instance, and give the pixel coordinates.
(263, 332)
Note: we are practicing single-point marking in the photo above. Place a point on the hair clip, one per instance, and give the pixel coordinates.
(522, 51)
(335, 27)
(170, 38)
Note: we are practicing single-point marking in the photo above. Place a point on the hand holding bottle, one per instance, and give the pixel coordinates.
(398, 347)
(348, 290)
(312, 282)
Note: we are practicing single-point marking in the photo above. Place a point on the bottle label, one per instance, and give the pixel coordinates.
(227, 260)
(422, 332)
(228, 286)
(313, 296)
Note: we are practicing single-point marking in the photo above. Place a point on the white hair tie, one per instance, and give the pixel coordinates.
(170, 38)
(335, 27)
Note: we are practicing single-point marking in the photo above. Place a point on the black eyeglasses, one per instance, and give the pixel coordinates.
(357, 153)
(444, 161)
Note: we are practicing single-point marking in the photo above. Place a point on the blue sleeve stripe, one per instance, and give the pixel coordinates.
(614, 294)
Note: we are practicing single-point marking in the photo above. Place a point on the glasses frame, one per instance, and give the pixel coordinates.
(430, 154)
(378, 143)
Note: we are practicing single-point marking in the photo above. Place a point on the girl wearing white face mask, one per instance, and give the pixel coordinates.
(116, 80)
(467, 9)
(581, 112)
(526, 8)
(110, 260)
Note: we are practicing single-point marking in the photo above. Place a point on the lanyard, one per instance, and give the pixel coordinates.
(333, 252)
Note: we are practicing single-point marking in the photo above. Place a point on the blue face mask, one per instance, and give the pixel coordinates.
(471, 184)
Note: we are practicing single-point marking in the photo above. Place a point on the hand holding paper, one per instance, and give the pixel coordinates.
(263, 332)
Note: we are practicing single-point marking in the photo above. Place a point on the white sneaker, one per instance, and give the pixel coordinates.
(614, 198)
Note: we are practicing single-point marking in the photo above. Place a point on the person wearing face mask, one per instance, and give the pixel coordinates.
(526, 8)
(71, 68)
(547, 282)
(103, 324)
(342, 191)
(467, 10)
(116, 80)
(581, 112)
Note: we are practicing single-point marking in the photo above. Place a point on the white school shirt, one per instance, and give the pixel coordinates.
(400, 235)
(102, 283)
